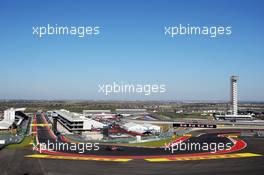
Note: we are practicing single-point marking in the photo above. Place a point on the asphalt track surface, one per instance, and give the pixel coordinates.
(14, 162)
(44, 135)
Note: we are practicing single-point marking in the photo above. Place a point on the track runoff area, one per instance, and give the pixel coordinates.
(47, 145)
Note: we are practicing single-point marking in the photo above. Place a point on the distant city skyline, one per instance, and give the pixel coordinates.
(131, 48)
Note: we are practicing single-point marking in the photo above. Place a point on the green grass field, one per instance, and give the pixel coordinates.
(26, 142)
(155, 143)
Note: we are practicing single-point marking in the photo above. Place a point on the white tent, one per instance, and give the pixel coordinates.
(141, 128)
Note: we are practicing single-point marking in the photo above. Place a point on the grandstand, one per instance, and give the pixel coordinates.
(12, 117)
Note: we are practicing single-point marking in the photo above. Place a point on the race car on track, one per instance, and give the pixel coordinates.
(113, 148)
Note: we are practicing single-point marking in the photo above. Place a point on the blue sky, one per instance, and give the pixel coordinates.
(131, 48)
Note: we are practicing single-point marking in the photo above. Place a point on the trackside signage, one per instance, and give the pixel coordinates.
(189, 125)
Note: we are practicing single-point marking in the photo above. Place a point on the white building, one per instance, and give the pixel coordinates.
(95, 111)
(76, 122)
(129, 112)
(233, 95)
(234, 103)
(10, 118)
(105, 114)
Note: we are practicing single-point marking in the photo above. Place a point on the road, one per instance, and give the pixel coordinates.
(15, 162)
(44, 135)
